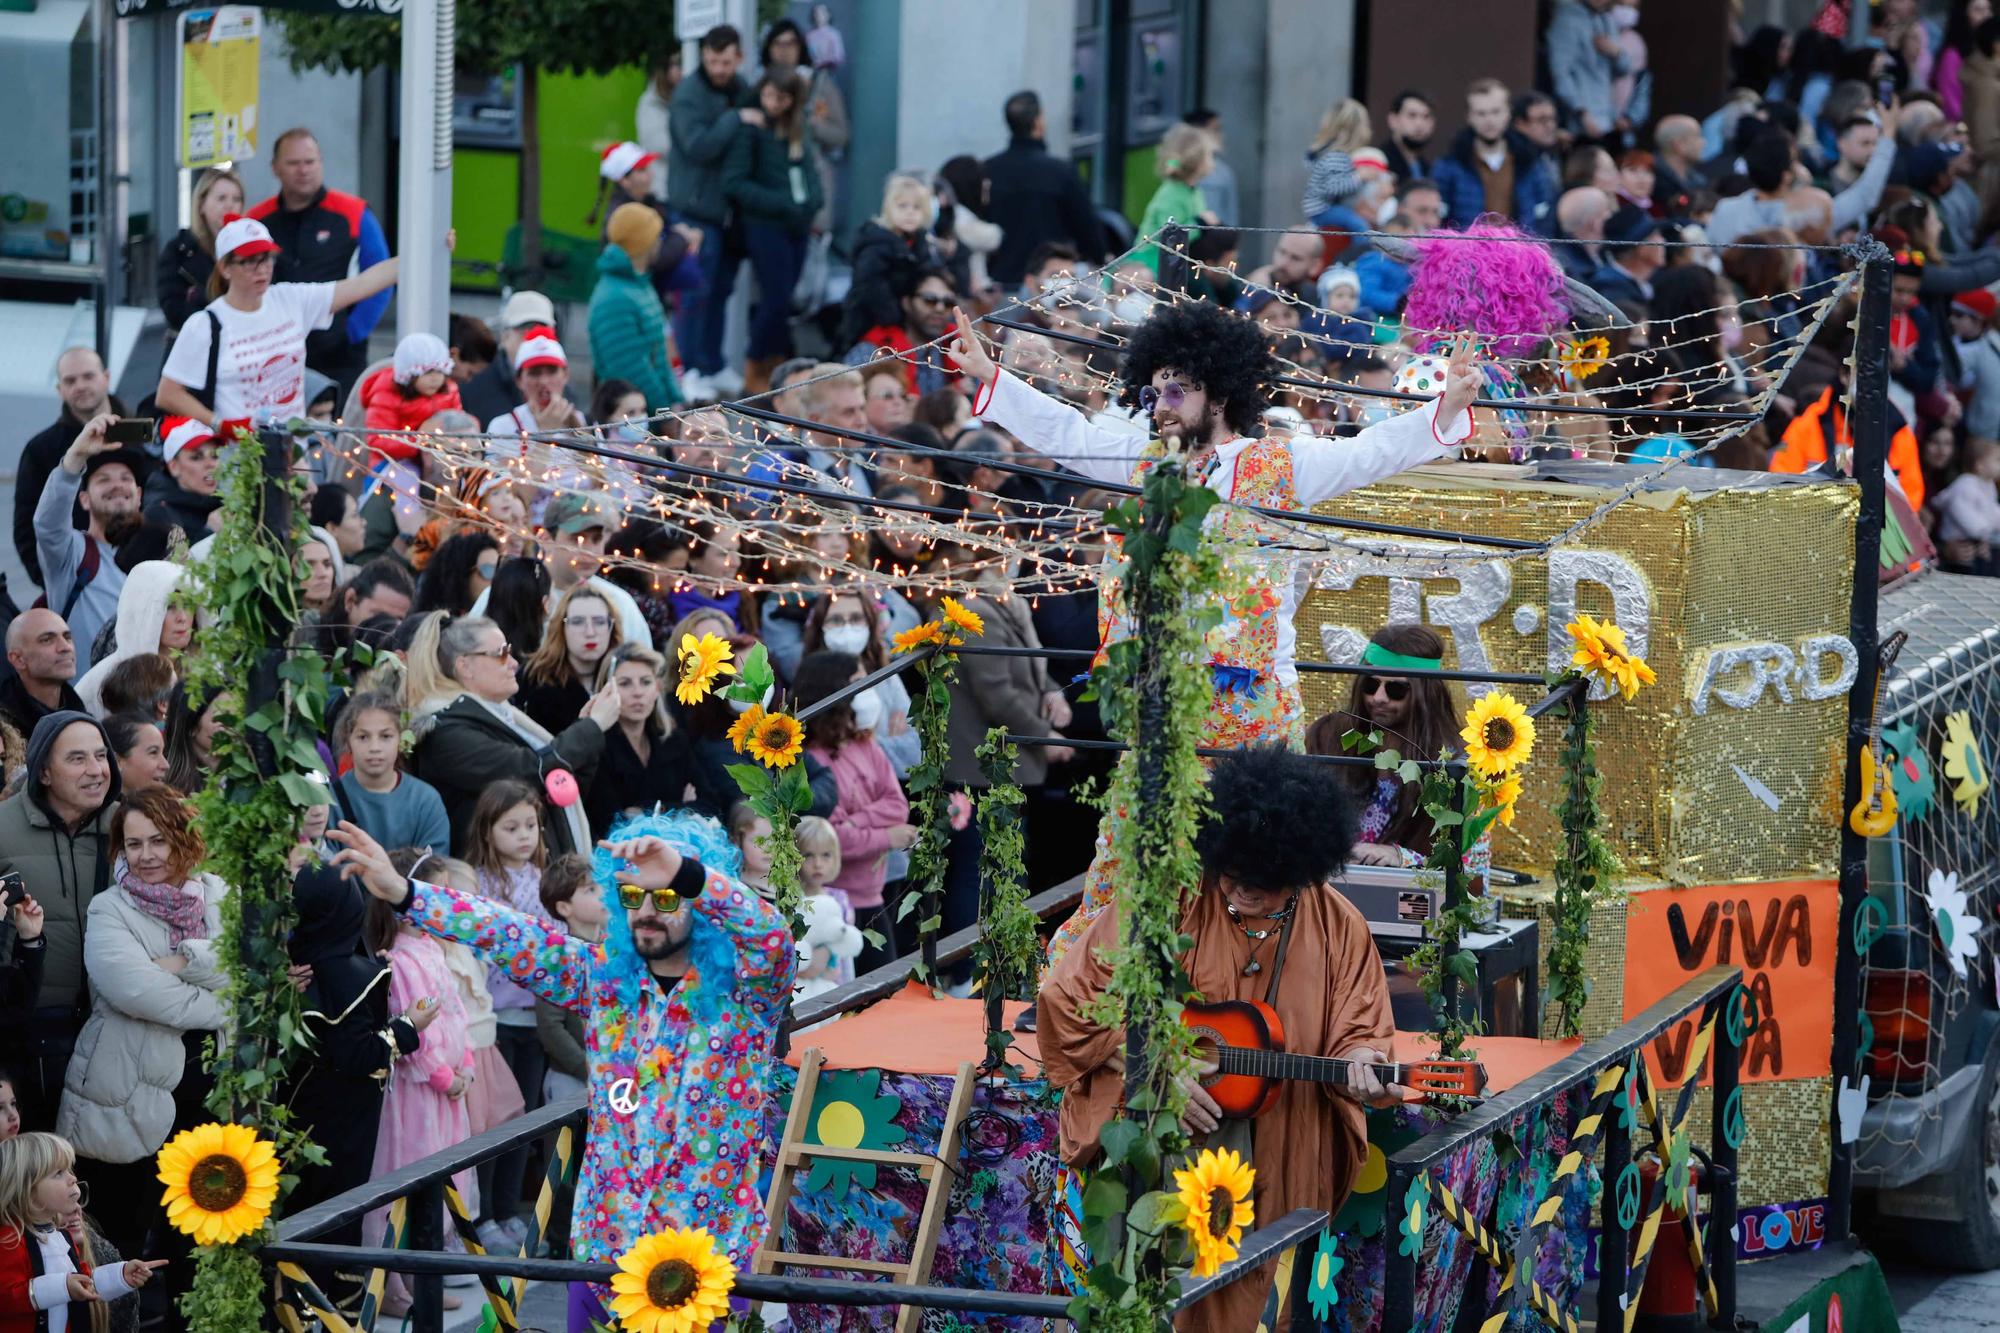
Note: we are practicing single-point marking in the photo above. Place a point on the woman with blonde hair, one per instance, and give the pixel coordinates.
(189, 258)
(1330, 174)
(648, 761)
(1184, 156)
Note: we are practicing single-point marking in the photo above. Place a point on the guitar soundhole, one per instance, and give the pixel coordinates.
(1206, 1041)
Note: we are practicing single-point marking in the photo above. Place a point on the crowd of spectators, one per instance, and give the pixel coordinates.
(520, 629)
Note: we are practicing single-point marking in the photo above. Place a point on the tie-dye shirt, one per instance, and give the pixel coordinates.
(684, 1157)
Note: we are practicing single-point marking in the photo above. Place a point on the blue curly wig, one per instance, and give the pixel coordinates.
(713, 953)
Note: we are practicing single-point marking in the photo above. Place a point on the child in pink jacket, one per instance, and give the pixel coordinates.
(873, 817)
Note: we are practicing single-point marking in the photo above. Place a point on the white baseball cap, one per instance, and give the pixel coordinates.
(243, 236)
(524, 308)
(622, 159)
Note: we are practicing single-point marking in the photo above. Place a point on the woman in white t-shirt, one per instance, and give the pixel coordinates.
(259, 370)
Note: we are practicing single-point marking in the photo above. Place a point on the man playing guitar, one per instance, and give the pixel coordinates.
(1266, 927)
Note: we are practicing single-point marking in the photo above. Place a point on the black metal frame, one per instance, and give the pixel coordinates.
(1708, 992)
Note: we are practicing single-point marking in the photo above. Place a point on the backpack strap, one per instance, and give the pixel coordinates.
(206, 394)
(86, 570)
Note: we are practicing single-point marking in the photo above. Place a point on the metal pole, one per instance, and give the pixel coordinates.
(1107, 167)
(1174, 266)
(423, 288)
(1614, 1238)
(427, 1237)
(110, 217)
(1721, 1239)
(1869, 421)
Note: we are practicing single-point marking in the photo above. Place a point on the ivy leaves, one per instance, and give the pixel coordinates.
(1005, 960)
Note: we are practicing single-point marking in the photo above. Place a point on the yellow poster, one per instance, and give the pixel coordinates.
(219, 50)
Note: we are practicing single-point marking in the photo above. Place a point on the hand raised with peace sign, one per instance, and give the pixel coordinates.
(1462, 380)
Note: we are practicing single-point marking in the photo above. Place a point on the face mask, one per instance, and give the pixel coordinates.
(1385, 212)
(629, 433)
(867, 707)
(1132, 308)
(846, 638)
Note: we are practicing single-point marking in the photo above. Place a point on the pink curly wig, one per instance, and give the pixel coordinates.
(1507, 291)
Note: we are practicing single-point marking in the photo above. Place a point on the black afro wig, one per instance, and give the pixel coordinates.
(1221, 352)
(1277, 820)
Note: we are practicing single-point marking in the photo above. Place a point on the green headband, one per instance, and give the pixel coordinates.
(1376, 655)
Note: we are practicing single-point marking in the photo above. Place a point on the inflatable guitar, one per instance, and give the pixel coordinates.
(1875, 813)
(1245, 1041)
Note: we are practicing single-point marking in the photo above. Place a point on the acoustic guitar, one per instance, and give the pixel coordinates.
(1245, 1041)
(1875, 813)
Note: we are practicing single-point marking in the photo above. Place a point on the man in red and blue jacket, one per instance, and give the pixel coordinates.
(324, 235)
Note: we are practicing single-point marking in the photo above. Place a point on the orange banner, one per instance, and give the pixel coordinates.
(1784, 935)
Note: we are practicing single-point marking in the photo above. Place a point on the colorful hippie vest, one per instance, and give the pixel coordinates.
(1252, 705)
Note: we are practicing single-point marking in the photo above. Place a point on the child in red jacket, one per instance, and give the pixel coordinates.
(46, 1277)
(402, 397)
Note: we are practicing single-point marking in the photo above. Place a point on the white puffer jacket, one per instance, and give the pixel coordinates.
(118, 1098)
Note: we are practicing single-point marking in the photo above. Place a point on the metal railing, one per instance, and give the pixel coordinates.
(1612, 1067)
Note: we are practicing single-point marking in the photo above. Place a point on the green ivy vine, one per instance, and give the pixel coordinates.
(930, 800)
(265, 772)
(1006, 962)
(1156, 693)
(1584, 873)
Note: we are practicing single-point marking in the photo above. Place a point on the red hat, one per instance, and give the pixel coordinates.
(243, 236)
(540, 348)
(178, 433)
(1979, 301)
(622, 159)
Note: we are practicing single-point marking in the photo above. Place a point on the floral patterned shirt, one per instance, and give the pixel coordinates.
(684, 1157)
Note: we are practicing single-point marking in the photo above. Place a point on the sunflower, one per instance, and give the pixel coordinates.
(1501, 796)
(1216, 1193)
(1592, 652)
(672, 1282)
(1630, 673)
(1602, 654)
(775, 740)
(1499, 735)
(912, 639)
(740, 729)
(701, 661)
(221, 1182)
(1585, 358)
(968, 621)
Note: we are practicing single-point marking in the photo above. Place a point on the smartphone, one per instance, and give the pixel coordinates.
(131, 430)
(1885, 91)
(12, 889)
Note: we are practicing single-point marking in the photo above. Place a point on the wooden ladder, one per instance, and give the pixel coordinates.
(934, 1171)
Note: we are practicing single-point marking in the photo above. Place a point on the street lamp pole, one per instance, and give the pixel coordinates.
(430, 73)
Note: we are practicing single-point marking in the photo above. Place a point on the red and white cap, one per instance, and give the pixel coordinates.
(178, 433)
(622, 159)
(540, 348)
(1370, 159)
(243, 236)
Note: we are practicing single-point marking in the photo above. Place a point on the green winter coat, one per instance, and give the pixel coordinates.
(628, 331)
(765, 183)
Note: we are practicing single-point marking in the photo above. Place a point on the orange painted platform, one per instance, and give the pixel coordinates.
(914, 1032)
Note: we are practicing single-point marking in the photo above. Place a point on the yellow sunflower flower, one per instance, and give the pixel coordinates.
(221, 1182)
(1592, 651)
(959, 616)
(1586, 357)
(1631, 673)
(672, 1282)
(776, 740)
(912, 639)
(1502, 796)
(1602, 654)
(1499, 735)
(701, 662)
(1216, 1193)
(740, 729)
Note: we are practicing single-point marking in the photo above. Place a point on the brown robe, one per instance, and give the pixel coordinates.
(1333, 997)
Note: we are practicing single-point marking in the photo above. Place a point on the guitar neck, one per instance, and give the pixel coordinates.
(1301, 1068)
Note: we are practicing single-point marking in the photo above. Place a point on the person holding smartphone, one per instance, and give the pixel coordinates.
(100, 472)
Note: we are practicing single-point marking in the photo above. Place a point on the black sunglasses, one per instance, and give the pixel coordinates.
(935, 302)
(665, 901)
(1397, 690)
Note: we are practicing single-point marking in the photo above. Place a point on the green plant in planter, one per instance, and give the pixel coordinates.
(1006, 960)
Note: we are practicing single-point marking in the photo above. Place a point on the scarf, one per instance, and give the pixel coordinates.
(185, 914)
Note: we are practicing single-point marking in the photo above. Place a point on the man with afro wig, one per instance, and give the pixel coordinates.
(1265, 925)
(1205, 374)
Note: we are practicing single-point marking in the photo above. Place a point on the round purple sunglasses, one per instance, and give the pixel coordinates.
(1170, 397)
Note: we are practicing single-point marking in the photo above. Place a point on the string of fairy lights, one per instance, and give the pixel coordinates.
(800, 530)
